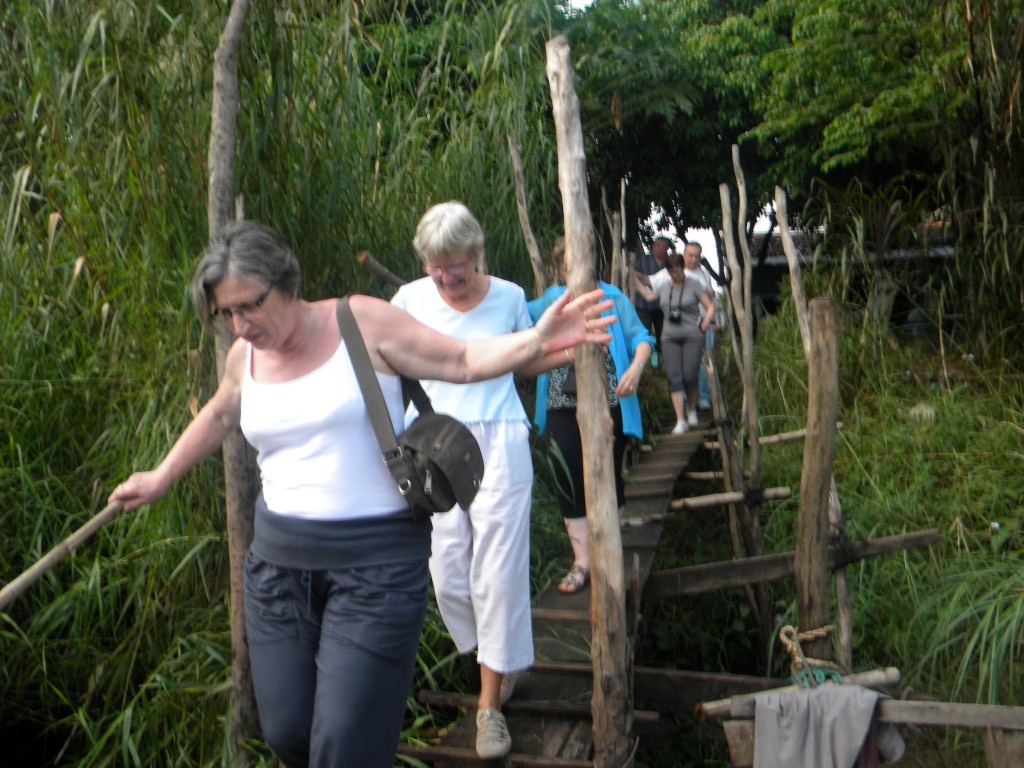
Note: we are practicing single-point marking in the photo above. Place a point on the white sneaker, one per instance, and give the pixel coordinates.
(492, 739)
(679, 428)
(691, 419)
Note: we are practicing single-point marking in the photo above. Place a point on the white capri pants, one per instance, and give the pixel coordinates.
(480, 560)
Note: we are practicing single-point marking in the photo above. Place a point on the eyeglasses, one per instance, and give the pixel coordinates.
(245, 311)
(453, 270)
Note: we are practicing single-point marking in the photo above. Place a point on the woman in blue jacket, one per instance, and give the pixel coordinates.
(555, 412)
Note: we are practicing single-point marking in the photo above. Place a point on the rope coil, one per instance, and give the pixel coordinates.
(808, 672)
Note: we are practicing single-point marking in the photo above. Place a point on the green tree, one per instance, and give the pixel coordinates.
(913, 94)
(858, 91)
(666, 90)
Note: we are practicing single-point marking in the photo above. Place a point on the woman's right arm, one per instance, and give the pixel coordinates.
(211, 426)
(644, 290)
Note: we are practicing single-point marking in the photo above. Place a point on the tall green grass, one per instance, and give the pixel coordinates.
(929, 441)
(353, 120)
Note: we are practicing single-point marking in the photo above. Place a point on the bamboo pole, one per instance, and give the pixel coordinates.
(14, 589)
(819, 449)
(241, 477)
(614, 222)
(740, 300)
(385, 274)
(781, 437)
(611, 703)
(750, 393)
(540, 280)
(844, 604)
(729, 497)
(873, 678)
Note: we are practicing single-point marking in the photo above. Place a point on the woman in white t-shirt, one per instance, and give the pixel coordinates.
(480, 557)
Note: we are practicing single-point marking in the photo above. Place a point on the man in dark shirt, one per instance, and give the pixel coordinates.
(648, 263)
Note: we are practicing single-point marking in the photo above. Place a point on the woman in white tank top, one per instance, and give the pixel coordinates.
(336, 577)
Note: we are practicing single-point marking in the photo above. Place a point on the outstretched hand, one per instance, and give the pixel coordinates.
(567, 323)
(141, 488)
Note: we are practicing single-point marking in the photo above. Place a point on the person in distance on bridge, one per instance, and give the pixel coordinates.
(683, 335)
(691, 261)
(648, 310)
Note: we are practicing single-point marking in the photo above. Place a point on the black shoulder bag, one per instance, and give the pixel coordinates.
(436, 462)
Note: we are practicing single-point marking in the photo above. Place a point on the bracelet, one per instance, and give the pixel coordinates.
(567, 356)
(641, 365)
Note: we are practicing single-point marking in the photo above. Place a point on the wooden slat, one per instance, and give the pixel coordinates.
(650, 492)
(544, 708)
(560, 614)
(697, 579)
(740, 735)
(935, 713)
(951, 714)
(463, 756)
(579, 744)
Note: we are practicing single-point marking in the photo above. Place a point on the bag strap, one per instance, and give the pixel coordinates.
(413, 390)
(376, 408)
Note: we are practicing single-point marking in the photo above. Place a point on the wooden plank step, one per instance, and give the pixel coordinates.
(650, 492)
(560, 614)
(464, 756)
(521, 706)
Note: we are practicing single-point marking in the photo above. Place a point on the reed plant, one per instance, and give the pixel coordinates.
(354, 118)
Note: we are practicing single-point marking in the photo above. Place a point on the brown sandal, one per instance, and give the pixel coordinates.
(574, 580)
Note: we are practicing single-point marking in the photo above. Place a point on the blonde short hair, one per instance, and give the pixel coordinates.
(446, 230)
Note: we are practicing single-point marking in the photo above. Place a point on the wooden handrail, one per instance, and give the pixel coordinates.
(14, 589)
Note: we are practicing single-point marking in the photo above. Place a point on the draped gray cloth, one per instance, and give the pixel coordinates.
(821, 727)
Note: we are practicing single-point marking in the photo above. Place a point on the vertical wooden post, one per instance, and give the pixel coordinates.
(611, 705)
(811, 564)
(740, 301)
(240, 474)
(844, 608)
(540, 278)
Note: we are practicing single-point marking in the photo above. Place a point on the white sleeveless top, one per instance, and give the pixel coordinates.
(317, 452)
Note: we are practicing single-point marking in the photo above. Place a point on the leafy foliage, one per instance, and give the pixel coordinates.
(357, 116)
(666, 90)
(859, 89)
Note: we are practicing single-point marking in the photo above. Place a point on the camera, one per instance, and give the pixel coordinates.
(675, 316)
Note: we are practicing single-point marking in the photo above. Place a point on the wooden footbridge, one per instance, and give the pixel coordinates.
(549, 716)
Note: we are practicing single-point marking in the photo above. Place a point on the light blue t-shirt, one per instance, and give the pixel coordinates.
(502, 310)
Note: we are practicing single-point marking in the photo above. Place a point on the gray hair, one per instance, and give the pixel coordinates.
(446, 230)
(244, 249)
